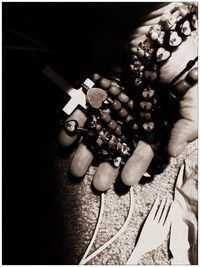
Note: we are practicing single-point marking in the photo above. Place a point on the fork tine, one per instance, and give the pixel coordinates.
(169, 216)
(154, 208)
(165, 211)
(160, 210)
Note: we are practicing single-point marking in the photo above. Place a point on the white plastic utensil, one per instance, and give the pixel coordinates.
(155, 229)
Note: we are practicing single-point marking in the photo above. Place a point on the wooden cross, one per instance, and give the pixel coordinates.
(77, 96)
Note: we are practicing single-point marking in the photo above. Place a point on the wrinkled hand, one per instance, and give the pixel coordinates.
(183, 131)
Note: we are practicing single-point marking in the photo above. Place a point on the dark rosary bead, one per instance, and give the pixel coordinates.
(112, 125)
(104, 83)
(123, 113)
(146, 105)
(96, 77)
(116, 105)
(129, 118)
(147, 93)
(130, 104)
(123, 138)
(98, 127)
(92, 124)
(123, 98)
(114, 90)
(118, 130)
(109, 136)
(112, 144)
(103, 137)
(99, 142)
(105, 117)
(135, 126)
(145, 115)
(119, 146)
(71, 127)
(103, 152)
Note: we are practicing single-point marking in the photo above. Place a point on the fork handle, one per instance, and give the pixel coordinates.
(135, 257)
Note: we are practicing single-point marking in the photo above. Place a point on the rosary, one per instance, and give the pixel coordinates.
(122, 111)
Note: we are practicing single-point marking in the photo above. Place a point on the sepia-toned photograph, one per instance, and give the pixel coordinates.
(99, 133)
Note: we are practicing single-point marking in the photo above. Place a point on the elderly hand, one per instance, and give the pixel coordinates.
(183, 131)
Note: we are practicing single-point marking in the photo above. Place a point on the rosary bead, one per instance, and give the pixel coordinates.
(154, 36)
(109, 136)
(129, 118)
(96, 97)
(92, 124)
(123, 98)
(150, 75)
(130, 104)
(99, 142)
(146, 116)
(146, 105)
(123, 138)
(133, 49)
(96, 77)
(181, 87)
(114, 90)
(174, 39)
(104, 83)
(118, 130)
(123, 113)
(112, 125)
(125, 149)
(185, 28)
(106, 117)
(147, 93)
(117, 162)
(102, 133)
(103, 137)
(116, 105)
(119, 146)
(112, 144)
(103, 152)
(71, 127)
(140, 52)
(192, 76)
(98, 127)
(135, 126)
(148, 126)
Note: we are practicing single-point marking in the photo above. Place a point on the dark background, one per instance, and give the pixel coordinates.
(75, 39)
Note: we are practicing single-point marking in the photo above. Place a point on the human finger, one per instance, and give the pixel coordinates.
(81, 161)
(104, 176)
(185, 130)
(64, 138)
(137, 164)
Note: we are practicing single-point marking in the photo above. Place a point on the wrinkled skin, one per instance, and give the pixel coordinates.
(183, 131)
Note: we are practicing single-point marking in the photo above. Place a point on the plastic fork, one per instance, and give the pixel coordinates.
(155, 229)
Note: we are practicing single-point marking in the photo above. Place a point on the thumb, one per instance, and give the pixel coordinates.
(184, 131)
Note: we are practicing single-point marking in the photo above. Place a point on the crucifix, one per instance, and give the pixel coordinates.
(77, 96)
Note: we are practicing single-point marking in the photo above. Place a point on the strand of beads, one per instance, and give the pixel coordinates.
(108, 127)
(145, 61)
